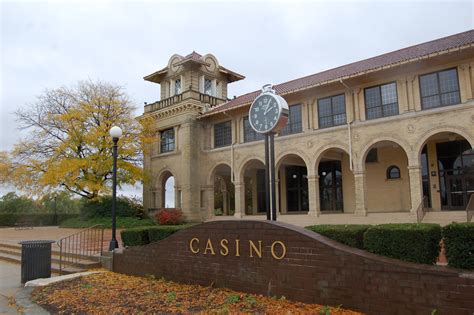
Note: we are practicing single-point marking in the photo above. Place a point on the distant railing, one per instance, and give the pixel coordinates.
(164, 103)
(81, 245)
(421, 210)
(204, 98)
(470, 208)
(211, 100)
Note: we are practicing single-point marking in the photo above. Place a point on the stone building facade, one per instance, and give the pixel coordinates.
(379, 140)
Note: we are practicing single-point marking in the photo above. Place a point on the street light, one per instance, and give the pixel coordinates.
(116, 133)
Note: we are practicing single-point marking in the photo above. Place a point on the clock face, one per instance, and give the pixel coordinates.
(264, 113)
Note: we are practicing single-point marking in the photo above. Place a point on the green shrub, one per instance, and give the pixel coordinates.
(349, 234)
(417, 243)
(12, 203)
(102, 207)
(459, 244)
(135, 237)
(146, 235)
(158, 233)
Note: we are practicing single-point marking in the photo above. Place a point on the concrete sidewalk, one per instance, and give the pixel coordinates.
(10, 284)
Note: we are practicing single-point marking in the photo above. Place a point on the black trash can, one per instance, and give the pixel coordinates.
(35, 260)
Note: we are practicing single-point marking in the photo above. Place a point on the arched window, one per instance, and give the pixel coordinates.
(393, 172)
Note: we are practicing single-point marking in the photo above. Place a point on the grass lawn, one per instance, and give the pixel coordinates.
(122, 222)
(113, 293)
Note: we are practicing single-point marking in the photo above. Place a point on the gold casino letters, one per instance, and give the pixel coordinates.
(277, 248)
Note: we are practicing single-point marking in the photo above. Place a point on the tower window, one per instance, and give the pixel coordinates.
(177, 86)
(167, 140)
(208, 87)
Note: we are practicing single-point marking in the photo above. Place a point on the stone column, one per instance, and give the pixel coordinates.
(416, 190)
(313, 195)
(360, 193)
(239, 199)
(209, 195)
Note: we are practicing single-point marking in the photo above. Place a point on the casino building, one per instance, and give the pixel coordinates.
(386, 139)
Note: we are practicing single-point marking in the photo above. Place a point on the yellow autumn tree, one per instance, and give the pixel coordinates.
(68, 145)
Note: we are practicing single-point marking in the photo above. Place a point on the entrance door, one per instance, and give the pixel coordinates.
(330, 186)
(459, 188)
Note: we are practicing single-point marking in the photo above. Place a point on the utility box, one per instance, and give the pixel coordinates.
(35, 260)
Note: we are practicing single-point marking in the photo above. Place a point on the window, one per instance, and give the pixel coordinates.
(222, 134)
(167, 140)
(249, 133)
(372, 156)
(381, 101)
(297, 188)
(332, 111)
(393, 172)
(439, 89)
(207, 87)
(294, 121)
(177, 86)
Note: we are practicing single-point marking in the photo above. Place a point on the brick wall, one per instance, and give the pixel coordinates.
(314, 269)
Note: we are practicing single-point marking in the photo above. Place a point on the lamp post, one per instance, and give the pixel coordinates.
(116, 133)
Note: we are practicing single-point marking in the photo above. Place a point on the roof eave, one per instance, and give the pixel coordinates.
(354, 75)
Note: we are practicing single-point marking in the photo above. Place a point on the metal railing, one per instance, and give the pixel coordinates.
(421, 210)
(81, 245)
(470, 208)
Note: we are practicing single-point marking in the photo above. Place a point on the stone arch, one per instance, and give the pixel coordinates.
(280, 157)
(360, 161)
(222, 201)
(210, 177)
(160, 199)
(451, 129)
(320, 152)
(243, 165)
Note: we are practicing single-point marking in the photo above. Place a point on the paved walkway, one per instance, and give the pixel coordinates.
(10, 283)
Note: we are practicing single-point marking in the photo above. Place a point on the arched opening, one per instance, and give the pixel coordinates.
(224, 192)
(447, 167)
(336, 182)
(168, 190)
(383, 194)
(254, 181)
(293, 184)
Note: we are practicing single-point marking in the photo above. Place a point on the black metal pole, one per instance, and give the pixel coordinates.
(267, 178)
(113, 242)
(272, 174)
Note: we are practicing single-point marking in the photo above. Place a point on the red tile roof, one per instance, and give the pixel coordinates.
(356, 68)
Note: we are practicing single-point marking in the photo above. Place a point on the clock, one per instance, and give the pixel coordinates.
(268, 112)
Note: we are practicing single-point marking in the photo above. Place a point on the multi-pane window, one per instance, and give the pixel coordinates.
(439, 89)
(177, 86)
(207, 86)
(222, 134)
(249, 133)
(167, 140)
(381, 101)
(294, 124)
(332, 111)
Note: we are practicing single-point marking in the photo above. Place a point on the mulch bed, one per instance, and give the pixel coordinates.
(113, 293)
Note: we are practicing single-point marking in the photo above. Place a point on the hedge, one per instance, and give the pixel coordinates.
(349, 234)
(459, 244)
(417, 243)
(146, 235)
(37, 219)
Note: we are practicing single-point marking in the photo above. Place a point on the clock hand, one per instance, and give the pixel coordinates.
(267, 109)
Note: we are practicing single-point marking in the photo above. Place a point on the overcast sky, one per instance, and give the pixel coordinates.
(45, 45)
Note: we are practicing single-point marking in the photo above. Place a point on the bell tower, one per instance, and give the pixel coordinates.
(188, 87)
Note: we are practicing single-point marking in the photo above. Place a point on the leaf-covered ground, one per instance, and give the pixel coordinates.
(109, 293)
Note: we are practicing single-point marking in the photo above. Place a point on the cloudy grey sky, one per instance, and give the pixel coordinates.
(47, 44)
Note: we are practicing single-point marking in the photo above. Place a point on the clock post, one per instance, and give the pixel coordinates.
(267, 115)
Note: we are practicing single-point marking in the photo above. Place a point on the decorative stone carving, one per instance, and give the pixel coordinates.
(356, 136)
(411, 128)
(310, 144)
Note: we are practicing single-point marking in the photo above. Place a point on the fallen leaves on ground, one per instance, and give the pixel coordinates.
(110, 292)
